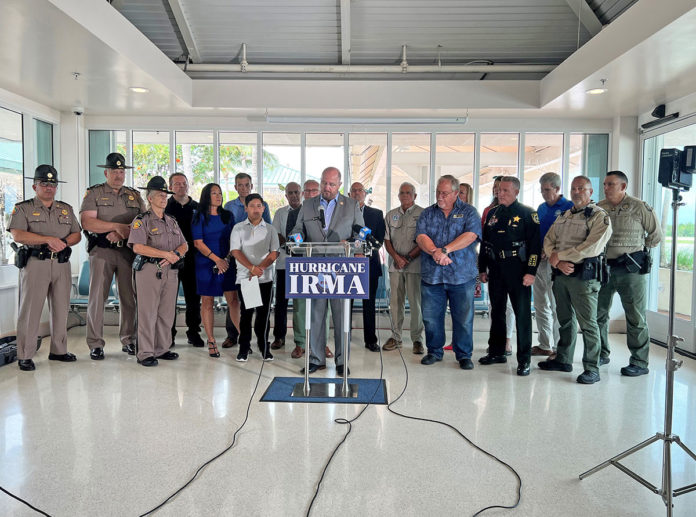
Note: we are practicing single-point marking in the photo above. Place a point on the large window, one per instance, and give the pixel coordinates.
(411, 162)
(454, 154)
(237, 155)
(368, 165)
(498, 156)
(543, 152)
(11, 174)
(101, 143)
(195, 158)
(282, 163)
(150, 156)
(589, 157)
(44, 142)
(323, 150)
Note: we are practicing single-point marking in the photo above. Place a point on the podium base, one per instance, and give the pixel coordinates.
(330, 390)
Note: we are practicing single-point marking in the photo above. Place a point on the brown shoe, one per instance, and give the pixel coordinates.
(278, 343)
(391, 344)
(297, 352)
(540, 351)
(329, 353)
(418, 348)
(228, 343)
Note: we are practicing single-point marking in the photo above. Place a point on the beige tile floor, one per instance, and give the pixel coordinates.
(114, 438)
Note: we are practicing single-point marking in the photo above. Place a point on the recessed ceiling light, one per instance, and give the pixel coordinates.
(598, 91)
(139, 89)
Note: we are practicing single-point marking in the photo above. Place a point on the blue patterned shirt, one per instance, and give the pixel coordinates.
(462, 219)
(548, 214)
(239, 210)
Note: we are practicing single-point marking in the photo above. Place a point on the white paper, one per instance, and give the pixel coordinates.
(251, 292)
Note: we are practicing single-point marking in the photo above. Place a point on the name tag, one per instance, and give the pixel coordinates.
(457, 216)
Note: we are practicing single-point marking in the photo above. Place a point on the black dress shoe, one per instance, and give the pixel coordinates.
(129, 349)
(523, 369)
(492, 359)
(195, 340)
(339, 369)
(27, 365)
(372, 347)
(466, 364)
(148, 361)
(97, 354)
(430, 359)
(66, 358)
(168, 356)
(314, 367)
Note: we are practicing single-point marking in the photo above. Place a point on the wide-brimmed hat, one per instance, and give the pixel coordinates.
(115, 161)
(47, 173)
(157, 183)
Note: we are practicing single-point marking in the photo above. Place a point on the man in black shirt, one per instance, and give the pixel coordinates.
(181, 207)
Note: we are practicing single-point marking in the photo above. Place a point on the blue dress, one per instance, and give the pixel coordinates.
(216, 235)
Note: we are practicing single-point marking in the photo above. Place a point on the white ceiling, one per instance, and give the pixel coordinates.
(648, 54)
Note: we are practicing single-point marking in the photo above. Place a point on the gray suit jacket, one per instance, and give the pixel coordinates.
(346, 214)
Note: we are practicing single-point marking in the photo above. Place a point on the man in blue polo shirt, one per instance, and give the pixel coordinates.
(544, 303)
(447, 233)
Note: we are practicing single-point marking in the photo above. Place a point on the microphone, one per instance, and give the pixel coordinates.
(296, 237)
(322, 218)
(365, 234)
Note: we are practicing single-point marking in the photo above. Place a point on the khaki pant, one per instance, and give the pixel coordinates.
(40, 280)
(545, 307)
(103, 263)
(156, 309)
(402, 285)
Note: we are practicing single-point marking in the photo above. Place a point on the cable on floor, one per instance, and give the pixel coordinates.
(24, 502)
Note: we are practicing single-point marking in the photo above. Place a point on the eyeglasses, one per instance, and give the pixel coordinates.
(445, 194)
(47, 184)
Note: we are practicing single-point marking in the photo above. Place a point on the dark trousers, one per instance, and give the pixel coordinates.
(261, 323)
(368, 311)
(232, 331)
(187, 277)
(505, 280)
(280, 316)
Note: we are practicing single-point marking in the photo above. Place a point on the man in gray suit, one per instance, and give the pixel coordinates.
(340, 214)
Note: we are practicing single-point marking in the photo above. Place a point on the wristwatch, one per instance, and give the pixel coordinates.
(444, 250)
(177, 253)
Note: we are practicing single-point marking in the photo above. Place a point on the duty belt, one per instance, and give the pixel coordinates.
(109, 244)
(42, 254)
(515, 252)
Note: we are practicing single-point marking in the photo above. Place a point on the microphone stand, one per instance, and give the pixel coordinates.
(672, 365)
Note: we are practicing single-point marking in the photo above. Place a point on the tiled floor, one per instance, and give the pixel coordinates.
(114, 438)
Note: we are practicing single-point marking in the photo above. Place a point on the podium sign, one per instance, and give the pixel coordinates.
(327, 277)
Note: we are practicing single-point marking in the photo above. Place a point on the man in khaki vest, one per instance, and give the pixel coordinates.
(635, 229)
(106, 213)
(573, 245)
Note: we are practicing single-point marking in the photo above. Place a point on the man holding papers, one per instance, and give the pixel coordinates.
(254, 245)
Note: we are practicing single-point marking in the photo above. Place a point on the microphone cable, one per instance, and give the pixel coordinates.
(241, 426)
(464, 437)
(24, 502)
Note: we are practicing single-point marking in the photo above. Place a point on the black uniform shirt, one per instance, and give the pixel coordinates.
(508, 228)
(183, 215)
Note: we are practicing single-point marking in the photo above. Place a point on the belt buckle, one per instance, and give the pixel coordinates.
(501, 254)
(514, 253)
(119, 244)
(53, 255)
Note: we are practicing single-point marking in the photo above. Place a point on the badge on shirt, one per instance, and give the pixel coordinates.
(154, 230)
(137, 224)
(395, 217)
(535, 217)
(457, 216)
(516, 219)
(105, 198)
(492, 221)
(35, 213)
(64, 212)
(131, 198)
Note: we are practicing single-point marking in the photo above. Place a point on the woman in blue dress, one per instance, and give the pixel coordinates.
(211, 227)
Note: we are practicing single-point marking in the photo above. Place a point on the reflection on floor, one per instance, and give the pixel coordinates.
(114, 438)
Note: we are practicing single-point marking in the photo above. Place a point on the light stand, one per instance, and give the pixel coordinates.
(672, 364)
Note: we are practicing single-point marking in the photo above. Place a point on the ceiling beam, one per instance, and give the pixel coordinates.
(345, 32)
(191, 48)
(587, 16)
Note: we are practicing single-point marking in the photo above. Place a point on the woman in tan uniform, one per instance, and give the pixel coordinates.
(160, 246)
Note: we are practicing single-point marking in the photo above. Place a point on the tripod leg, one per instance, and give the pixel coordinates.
(676, 440)
(618, 457)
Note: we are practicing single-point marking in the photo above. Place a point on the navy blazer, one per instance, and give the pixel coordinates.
(374, 220)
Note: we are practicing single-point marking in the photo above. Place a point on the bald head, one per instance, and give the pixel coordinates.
(292, 194)
(330, 183)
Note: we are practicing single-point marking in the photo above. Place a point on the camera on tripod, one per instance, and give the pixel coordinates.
(677, 167)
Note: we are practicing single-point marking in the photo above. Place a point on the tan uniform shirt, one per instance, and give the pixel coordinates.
(576, 237)
(32, 216)
(634, 225)
(401, 232)
(160, 233)
(121, 207)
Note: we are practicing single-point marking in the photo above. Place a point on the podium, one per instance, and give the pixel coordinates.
(327, 270)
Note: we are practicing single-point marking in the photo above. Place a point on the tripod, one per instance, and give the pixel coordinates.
(666, 492)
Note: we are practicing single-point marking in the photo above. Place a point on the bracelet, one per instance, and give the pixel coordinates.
(210, 253)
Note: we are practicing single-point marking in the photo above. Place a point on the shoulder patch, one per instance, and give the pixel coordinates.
(137, 223)
(95, 186)
(535, 218)
(607, 221)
